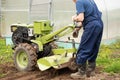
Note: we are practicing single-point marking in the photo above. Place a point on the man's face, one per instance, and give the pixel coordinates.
(74, 1)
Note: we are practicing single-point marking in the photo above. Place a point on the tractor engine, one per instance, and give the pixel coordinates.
(23, 33)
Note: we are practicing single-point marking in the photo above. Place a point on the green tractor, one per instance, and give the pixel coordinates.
(35, 45)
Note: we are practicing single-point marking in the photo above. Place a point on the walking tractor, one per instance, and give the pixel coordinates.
(35, 46)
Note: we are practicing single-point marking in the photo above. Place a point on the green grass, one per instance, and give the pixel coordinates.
(2, 75)
(5, 52)
(109, 57)
(114, 67)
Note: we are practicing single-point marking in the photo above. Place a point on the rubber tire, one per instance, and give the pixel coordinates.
(31, 57)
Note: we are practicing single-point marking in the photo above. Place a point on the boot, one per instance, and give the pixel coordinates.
(91, 69)
(81, 72)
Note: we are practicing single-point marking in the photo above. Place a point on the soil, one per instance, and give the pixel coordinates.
(63, 74)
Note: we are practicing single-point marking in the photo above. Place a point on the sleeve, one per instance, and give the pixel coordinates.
(80, 7)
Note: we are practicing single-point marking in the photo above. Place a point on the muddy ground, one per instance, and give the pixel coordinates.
(51, 74)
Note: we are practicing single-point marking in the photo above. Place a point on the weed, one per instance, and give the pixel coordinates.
(109, 57)
(1, 75)
(5, 52)
(114, 67)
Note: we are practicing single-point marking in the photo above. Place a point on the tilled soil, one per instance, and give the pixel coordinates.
(51, 74)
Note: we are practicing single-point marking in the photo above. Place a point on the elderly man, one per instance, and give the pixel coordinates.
(89, 17)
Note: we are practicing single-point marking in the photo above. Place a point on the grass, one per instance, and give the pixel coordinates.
(109, 57)
(1, 75)
(5, 52)
(114, 67)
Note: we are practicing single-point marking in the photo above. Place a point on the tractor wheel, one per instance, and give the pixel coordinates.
(25, 57)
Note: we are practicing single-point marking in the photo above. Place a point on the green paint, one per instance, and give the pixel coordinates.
(22, 59)
(40, 45)
(42, 27)
(60, 57)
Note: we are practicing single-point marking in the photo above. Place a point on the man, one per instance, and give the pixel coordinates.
(88, 17)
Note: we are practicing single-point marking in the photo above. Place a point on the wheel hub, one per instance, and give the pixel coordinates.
(22, 59)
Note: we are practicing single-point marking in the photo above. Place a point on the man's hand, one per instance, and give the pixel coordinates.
(78, 24)
(74, 17)
(78, 18)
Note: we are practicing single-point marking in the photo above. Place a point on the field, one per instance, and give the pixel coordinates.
(108, 66)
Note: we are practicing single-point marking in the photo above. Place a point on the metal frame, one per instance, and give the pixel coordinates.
(29, 13)
(50, 10)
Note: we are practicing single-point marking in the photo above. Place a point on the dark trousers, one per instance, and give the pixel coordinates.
(90, 42)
